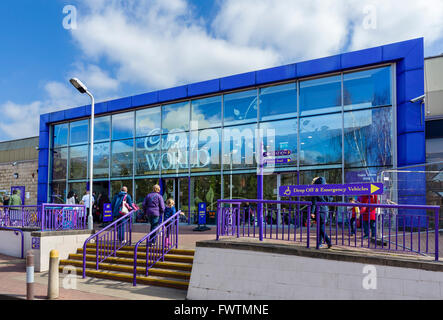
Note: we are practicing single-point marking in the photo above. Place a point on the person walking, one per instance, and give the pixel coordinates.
(15, 199)
(154, 207)
(121, 204)
(323, 214)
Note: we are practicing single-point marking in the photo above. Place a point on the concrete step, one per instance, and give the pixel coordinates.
(140, 262)
(129, 269)
(142, 255)
(184, 252)
(126, 277)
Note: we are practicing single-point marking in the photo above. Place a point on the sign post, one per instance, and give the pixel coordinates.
(202, 218)
(360, 189)
(107, 213)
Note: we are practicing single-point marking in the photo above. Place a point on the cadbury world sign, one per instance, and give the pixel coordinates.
(360, 189)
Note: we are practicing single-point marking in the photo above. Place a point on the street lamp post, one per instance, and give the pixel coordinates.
(83, 89)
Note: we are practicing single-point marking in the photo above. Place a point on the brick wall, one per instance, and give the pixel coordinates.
(25, 169)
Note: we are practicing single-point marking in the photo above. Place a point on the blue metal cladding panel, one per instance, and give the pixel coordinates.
(237, 81)
(408, 51)
(412, 183)
(145, 99)
(57, 116)
(42, 192)
(361, 58)
(173, 94)
(43, 157)
(411, 148)
(205, 87)
(44, 119)
(43, 140)
(319, 66)
(119, 104)
(42, 174)
(276, 74)
(410, 117)
(99, 108)
(73, 113)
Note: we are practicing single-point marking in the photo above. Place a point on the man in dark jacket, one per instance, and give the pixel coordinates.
(323, 213)
(154, 206)
(116, 206)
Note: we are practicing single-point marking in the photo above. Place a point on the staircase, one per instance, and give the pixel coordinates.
(174, 272)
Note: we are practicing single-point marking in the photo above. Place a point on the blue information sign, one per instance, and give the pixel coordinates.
(360, 189)
(277, 153)
(278, 161)
(107, 212)
(202, 213)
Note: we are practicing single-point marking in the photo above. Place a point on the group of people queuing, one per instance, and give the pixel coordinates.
(13, 200)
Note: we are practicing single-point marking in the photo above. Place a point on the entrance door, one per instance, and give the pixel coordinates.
(101, 187)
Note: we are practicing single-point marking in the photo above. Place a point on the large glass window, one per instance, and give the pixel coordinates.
(123, 126)
(207, 112)
(122, 151)
(205, 150)
(117, 185)
(143, 187)
(59, 164)
(78, 162)
(101, 160)
(58, 192)
(79, 188)
(148, 122)
(148, 156)
(240, 186)
(79, 132)
(278, 102)
(102, 128)
(321, 140)
(175, 152)
(240, 107)
(368, 137)
(239, 147)
(319, 96)
(366, 89)
(205, 189)
(175, 117)
(60, 135)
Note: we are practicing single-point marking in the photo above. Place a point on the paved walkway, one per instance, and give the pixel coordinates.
(13, 278)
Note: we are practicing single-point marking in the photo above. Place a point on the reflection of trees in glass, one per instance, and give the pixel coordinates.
(206, 188)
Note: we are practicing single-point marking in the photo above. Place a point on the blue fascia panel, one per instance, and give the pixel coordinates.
(145, 99)
(57, 116)
(99, 108)
(74, 113)
(319, 66)
(44, 119)
(43, 157)
(173, 94)
(411, 148)
(119, 104)
(361, 58)
(402, 50)
(410, 85)
(277, 74)
(410, 117)
(238, 81)
(205, 87)
(43, 174)
(42, 193)
(43, 140)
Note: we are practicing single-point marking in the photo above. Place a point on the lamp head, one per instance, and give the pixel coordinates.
(78, 85)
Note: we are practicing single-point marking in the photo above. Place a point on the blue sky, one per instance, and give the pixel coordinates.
(120, 49)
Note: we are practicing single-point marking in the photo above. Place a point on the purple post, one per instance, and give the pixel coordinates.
(308, 228)
(189, 200)
(437, 222)
(218, 220)
(317, 215)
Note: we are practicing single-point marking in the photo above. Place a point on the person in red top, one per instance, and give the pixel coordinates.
(368, 215)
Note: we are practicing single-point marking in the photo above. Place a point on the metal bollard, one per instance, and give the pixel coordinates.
(53, 276)
(29, 275)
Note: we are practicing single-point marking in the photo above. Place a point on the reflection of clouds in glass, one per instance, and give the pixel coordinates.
(121, 147)
(177, 118)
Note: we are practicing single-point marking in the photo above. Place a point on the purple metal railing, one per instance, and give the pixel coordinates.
(109, 240)
(291, 221)
(158, 243)
(280, 220)
(410, 232)
(46, 217)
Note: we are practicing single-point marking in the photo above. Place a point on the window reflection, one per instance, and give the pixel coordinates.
(175, 117)
(239, 147)
(148, 122)
(78, 162)
(207, 112)
(102, 128)
(123, 125)
(79, 132)
(366, 89)
(368, 137)
(60, 135)
(320, 96)
(321, 140)
(205, 150)
(59, 164)
(121, 165)
(101, 160)
(278, 102)
(58, 192)
(240, 107)
(175, 152)
(148, 156)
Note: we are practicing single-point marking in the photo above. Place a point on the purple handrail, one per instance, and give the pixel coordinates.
(166, 230)
(106, 239)
(16, 232)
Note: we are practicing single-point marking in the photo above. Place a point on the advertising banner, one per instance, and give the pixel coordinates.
(360, 189)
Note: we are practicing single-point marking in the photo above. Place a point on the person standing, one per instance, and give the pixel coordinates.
(71, 198)
(85, 201)
(169, 212)
(323, 213)
(120, 205)
(154, 207)
(368, 215)
(15, 199)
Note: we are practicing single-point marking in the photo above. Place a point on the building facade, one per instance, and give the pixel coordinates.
(345, 117)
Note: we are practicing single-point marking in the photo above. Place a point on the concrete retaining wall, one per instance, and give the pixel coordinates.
(232, 272)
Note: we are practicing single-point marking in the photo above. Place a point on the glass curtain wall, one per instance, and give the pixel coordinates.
(339, 126)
